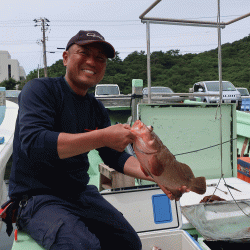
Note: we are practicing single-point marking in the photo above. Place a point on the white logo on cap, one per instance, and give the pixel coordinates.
(94, 35)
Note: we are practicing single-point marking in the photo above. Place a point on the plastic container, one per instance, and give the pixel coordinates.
(243, 166)
(156, 219)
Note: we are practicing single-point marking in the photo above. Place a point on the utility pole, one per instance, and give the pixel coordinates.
(44, 28)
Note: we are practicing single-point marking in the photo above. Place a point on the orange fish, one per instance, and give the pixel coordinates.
(158, 162)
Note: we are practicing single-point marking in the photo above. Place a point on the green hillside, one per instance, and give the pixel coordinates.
(171, 69)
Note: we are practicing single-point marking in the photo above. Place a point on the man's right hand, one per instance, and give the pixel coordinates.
(117, 136)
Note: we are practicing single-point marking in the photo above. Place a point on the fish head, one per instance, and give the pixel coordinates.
(146, 140)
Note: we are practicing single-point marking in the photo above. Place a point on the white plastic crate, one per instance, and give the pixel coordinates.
(177, 240)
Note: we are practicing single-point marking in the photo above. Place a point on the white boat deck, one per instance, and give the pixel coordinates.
(7, 129)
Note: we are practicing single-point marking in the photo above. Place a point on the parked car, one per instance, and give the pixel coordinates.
(157, 91)
(161, 95)
(243, 92)
(104, 90)
(245, 98)
(229, 93)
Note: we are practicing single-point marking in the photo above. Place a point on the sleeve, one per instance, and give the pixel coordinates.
(37, 112)
(111, 157)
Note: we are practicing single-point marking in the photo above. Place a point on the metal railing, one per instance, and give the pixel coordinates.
(219, 25)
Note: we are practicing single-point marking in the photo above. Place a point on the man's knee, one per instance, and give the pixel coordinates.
(75, 235)
(77, 244)
(134, 242)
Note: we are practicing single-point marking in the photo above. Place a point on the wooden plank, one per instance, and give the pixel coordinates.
(110, 178)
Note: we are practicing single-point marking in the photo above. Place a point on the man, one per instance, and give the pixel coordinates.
(50, 163)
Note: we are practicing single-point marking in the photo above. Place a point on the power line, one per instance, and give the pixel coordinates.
(115, 20)
(10, 23)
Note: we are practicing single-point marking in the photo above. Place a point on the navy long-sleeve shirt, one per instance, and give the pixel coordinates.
(47, 107)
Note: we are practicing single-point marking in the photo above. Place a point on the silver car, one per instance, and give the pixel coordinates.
(244, 92)
(157, 91)
(229, 93)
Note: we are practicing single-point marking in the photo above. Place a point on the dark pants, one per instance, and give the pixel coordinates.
(90, 223)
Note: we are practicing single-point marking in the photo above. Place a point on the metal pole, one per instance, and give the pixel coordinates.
(44, 50)
(219, 52)
(149, 8)
(220, 80)
(148, 63)
(184, 21)
(238, 18)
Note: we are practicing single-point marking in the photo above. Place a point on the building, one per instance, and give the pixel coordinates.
(10, 68)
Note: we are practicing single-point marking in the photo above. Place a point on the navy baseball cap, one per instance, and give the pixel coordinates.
(84, 37)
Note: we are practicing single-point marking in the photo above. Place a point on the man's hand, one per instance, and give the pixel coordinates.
(117, 136)
(183, 190)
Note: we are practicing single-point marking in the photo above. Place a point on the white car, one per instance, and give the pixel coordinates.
(229, 93)
(105, 90)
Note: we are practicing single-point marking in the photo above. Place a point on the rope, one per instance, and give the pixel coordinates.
(216, 145)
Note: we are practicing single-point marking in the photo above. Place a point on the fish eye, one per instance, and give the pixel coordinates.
(150, 128)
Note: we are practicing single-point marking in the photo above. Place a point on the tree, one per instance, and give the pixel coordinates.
(9, 84)
(171, 69)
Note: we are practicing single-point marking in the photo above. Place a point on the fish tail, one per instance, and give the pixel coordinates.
(198, 185)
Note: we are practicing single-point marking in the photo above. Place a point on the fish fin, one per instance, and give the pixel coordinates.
(198, 185)
(156, 166)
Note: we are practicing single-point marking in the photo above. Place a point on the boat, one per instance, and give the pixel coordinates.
(7, 128)
(202, 135)
(8, 112)
(194, 127)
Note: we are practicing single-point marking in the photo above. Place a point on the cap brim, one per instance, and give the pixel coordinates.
(108, 48)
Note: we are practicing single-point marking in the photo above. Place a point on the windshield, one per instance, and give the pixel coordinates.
(159, 90)
(243, 92)
(107, 90)
(214, 86)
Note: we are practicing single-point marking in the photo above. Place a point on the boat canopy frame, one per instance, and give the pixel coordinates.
(219, 25)
(154, 20)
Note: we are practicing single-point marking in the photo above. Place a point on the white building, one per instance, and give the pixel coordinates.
(10, 68)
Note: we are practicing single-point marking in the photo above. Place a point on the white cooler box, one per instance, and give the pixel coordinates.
(156, 219)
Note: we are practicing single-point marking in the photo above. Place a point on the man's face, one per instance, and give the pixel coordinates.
(86, 66)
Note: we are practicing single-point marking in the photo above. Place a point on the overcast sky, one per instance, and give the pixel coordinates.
(118, 21)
